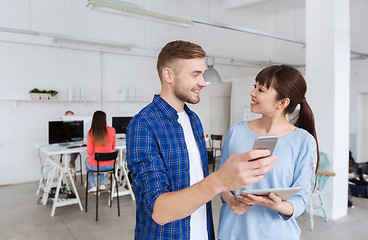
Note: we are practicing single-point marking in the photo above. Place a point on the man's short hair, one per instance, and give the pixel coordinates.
(177, 50)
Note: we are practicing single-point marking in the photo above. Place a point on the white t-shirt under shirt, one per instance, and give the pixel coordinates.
(198, 220)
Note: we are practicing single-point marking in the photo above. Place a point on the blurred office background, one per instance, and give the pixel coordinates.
(102, 55)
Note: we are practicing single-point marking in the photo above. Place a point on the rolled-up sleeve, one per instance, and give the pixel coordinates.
(145, 162)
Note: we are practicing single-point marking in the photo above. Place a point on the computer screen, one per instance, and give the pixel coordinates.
(87, 121)
(71, 131)
(121, 124)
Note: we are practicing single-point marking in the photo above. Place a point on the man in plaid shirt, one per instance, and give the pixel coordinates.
(166, 153)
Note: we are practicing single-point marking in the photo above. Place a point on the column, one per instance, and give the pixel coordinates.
(328, 76)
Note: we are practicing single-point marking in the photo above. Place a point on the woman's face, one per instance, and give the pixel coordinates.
(263, 100)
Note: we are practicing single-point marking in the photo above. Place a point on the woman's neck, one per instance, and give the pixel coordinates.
(271, 126)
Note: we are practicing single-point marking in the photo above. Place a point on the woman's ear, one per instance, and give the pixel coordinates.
(284, 103)
(167, 73)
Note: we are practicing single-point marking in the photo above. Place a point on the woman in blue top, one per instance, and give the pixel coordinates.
(277, 92)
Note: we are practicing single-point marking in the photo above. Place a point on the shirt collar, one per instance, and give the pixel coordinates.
(167, 109)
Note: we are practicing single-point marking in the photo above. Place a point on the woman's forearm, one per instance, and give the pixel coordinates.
(285, 208)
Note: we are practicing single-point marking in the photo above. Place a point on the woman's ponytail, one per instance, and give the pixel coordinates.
(306, 121)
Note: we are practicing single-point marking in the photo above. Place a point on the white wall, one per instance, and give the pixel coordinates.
(240, 97)
(27, 62)
(359, 76)
(358, 88)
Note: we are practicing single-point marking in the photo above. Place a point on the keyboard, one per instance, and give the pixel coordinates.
(77, 146)
(74, 146)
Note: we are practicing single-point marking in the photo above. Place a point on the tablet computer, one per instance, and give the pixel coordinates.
(283, 193)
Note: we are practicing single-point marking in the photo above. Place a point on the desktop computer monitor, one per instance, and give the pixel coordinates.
(61, 132)
(121, 124)
(87, 121)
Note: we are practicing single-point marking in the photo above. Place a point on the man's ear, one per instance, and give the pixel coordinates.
(168, 75)
(284, 103)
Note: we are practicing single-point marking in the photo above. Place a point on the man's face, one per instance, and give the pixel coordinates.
(188, 79)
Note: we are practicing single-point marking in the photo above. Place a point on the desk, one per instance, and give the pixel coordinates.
(52, 153)
(121, 147)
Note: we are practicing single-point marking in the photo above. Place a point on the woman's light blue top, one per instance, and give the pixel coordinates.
(295, 167)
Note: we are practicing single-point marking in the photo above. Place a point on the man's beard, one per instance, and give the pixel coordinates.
(181, 95)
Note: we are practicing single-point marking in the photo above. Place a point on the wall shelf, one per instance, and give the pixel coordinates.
(124, 101)
(17, 101)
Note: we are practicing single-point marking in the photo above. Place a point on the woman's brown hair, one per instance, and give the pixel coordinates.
(289, 83)
(98, 128)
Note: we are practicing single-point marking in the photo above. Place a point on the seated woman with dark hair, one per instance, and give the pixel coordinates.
(101, 138)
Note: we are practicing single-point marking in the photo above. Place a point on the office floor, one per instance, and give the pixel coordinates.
(22, 218)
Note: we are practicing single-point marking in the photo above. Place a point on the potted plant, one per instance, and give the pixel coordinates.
(43, 94)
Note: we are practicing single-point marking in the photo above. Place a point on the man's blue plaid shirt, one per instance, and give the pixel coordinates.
(158, 158)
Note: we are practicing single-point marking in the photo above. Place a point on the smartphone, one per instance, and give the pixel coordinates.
(265, 142)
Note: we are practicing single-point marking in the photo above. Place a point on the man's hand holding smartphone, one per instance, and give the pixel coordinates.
(265, 142)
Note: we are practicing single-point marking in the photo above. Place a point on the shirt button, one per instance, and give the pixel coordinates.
(185, 147)
(187, 169)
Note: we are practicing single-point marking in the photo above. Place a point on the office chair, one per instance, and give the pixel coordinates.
(215, 145)
(322, 177)
(99, 157)
(211, 159)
